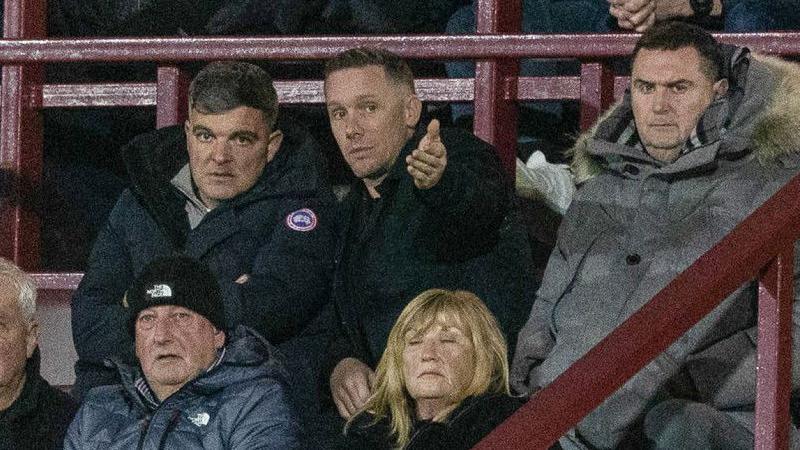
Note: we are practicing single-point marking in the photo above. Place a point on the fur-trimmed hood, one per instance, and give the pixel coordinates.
(759, 114)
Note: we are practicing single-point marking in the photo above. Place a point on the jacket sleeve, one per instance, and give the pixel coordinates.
(473, 195)
(74, 438)
(739, 365)
(339, 347)
(291, 276)
(266, 421)
(99, 321)
(535, 339)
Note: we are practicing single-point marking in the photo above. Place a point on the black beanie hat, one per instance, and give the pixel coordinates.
(180, 281)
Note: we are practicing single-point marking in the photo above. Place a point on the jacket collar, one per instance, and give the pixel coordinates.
(246, 355)
(27, 402)
(153, 159)
(616, 138)
(756, 115)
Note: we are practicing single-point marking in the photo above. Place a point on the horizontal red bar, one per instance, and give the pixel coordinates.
(307, 92)
(497, 46)
(57, 281)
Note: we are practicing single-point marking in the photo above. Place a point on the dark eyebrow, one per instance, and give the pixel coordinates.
(196, 128)
(669, 85)
(679, 82)
(244, 134)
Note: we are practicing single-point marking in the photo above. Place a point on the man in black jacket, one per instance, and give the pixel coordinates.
(239, 192)
(33, 415)
(432, 208)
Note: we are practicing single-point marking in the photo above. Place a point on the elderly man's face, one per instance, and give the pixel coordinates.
(669, 92)
(174, 345)
(18, 338)
(371, 117)
(228, 151)
(438, 365)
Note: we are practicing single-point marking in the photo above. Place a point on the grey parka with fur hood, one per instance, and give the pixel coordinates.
(635, 224)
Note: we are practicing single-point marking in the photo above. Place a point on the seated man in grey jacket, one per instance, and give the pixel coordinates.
(196, 385)
(704, 136)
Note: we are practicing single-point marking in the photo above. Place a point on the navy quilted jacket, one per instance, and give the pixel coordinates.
(242, 403)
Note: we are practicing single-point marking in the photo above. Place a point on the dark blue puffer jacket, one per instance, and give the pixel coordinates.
(289, 267)
(242, 403)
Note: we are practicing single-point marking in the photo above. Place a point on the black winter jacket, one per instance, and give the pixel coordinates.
(470, 422)
(290, 269)
(461, 234)
(39, 418)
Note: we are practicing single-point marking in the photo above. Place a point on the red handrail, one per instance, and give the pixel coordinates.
(24, 93)
(439, 47)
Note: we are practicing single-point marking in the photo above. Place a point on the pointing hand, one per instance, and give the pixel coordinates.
(427, 162)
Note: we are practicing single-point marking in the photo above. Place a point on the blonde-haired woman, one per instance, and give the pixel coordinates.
(442, 381)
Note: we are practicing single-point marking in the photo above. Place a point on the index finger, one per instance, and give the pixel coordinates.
(362, 390)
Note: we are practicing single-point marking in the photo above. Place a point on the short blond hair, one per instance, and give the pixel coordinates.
(461, 309)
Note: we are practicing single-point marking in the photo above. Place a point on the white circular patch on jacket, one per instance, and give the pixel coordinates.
(302, 220)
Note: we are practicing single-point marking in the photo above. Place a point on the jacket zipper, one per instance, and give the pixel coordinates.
(143, 432)
(173, 421)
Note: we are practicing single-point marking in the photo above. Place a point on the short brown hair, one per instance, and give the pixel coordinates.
(396, 68)
(675, 35)
(224, 85)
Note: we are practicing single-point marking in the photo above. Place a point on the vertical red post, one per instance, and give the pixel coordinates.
(21, 139)
(774, 382)
(171, 96)
(597, 91)
(496, 82)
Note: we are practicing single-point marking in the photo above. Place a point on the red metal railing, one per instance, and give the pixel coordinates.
(763, 239)
(24, 94)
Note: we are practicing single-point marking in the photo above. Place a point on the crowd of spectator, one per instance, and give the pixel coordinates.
(231, 300)
(84, 172)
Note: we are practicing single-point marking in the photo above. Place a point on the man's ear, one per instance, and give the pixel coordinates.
(720, 88)
(412, 110)
(187, 127)
(32, 338)
(274, 144)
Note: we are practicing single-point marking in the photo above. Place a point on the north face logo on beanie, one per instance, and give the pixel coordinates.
(159, 291)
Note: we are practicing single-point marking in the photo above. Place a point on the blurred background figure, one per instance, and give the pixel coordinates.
(33, 414)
